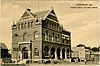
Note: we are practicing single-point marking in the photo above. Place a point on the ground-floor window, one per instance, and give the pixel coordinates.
(36, 52)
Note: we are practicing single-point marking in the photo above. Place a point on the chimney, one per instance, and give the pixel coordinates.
(28, 9)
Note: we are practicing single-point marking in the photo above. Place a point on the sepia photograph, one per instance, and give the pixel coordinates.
(49, 33)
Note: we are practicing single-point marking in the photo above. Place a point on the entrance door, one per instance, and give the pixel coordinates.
(24, 53)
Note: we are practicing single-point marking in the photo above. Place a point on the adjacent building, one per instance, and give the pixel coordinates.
(40, 36)
(81, 53)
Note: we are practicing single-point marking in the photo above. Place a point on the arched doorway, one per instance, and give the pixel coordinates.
(58, 53)
(46, 52)
(63, 53)
(67, 53)
(24, 53)
(53, 52)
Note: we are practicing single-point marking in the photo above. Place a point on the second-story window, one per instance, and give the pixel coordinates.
(25, 25)
(46, 36)
(55, 38)
(18, 26)
(25, 36)
(36, 36)
(52, 37)
(58, 38)
(52, 26)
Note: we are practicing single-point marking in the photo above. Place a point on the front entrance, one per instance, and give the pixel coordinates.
(24, 53)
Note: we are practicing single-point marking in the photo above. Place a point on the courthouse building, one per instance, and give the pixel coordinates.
(40, 36)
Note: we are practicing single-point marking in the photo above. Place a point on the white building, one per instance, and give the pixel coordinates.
(81, 53)
(78, 52)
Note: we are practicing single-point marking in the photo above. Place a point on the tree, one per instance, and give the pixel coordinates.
(95, 49)
(81, 45)
(87, 47)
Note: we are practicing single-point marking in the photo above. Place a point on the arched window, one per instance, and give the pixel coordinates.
(46, 50)
(57, 27)
(15, 37)
(36, 52)
(52, 25)
(19, 26)
(68, 52)
(46, 36)
(28, 24)
(55, 38)
(22, 25)
(52, 37)
(32, 24)
(25, 25)
(24, 36)
(58, 38)
(36, 35)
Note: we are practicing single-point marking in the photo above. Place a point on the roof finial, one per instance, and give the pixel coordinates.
(28, 9)
(51, 7)
(13, 22)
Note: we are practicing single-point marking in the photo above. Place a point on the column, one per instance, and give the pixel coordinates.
(65, 54)
(20, 55)
(28, 54)
(61, 53)
(49, 53)
(55, 54)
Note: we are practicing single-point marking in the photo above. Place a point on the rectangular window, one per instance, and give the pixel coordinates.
(36, 53)
(15, 49)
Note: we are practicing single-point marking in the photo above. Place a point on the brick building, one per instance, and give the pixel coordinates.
(40, 36)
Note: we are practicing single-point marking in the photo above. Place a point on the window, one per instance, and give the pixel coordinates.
(55, 38)
(57, 27)
(28, 24)
(18, 26)
(46, 51)
(47, 23)
(15, 49)
(36, 52)
(52, 37)
(24, 36)
(52, 25)
(36, 36)
(68, 52)
(25, 25)
(58, 38)
(46, 36)
(32, 24)
(22, 25)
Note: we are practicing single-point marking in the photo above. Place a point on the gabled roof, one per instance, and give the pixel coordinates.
(41, 14)
(25, 14)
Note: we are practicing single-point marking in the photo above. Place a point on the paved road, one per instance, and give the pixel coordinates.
(49, 65)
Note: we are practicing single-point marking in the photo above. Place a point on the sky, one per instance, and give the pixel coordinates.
(83, 23)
